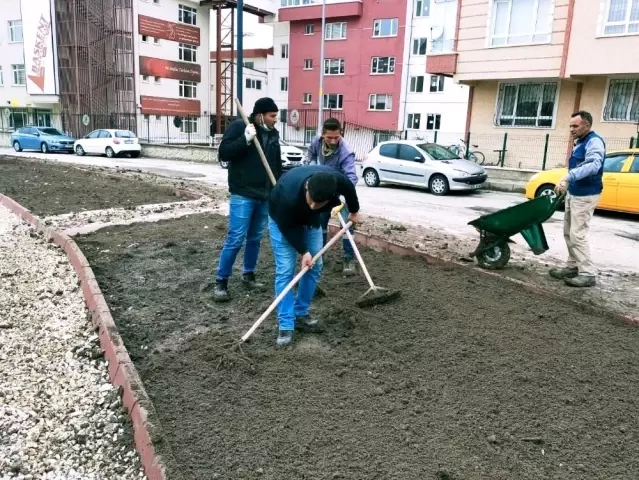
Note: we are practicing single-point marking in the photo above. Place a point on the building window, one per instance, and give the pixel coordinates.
(517, 22)
(15, 31)
(124, 84)
(250, 65)
(383, 65)
(416, 84)
(145, 79)
(156, 41)
(385, 27)
(334, 66)
(433, 121)
(254, 84)
(422, 8)
(622, 102)
(1, 77)
(622, 17)
(309, 29)
(377, 101)
(19, 77)
(189, 125)
(333, 101)
(419, 46)
(284, 51)
(308, 64)
(188, 53)
(187, 15)
(526, 105)
(413, 121)
(284, 84)
(308, 98)
(145, 39)
(309, 134)
(157, 80)
(436, 83)
(335, 31)
(188, 89)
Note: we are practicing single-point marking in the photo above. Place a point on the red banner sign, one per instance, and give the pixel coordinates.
(182, 107)
(157, 67)
(177, 32)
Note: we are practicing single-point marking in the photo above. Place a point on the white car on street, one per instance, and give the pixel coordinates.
(291, 156)
(111, 143)
(419, 164)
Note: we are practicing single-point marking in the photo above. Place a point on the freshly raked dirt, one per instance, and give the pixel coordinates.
(466, 377)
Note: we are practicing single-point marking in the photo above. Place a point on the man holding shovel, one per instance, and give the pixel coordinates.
(295, 207)
(250, 187)
(330, 149)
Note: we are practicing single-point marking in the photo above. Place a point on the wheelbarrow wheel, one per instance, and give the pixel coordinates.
(495, 258)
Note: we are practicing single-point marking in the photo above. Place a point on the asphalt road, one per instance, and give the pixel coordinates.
(615, 237)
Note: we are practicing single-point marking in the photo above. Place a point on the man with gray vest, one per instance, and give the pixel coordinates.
(584, 183)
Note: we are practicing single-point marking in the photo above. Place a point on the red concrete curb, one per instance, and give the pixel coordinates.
(122, 372)
(382, 245)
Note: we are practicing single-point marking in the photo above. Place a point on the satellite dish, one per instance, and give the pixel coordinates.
(436, 32)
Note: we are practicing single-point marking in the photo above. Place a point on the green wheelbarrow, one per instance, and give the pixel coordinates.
(495, 230)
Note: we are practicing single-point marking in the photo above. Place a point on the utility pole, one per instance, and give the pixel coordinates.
(240, 50)
(320, 118)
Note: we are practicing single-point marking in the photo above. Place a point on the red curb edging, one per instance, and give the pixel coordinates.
(381, 245)
(122, 372)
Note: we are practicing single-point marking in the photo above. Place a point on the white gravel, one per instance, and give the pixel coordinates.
(60, 418)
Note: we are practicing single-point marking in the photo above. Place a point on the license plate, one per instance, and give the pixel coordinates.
(128, 141)
(477, 185)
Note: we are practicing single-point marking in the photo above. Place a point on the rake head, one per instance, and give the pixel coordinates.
(377, 296)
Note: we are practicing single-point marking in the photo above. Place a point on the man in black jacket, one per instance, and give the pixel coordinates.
(295, 206)
(250, 188)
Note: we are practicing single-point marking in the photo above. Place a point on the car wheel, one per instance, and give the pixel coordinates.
(224, 164)
(371, 178)
(548, 190)
(16, 146)
(109, 152)
(44, 148)
(80, 151)
(494, 258)
(438, 185)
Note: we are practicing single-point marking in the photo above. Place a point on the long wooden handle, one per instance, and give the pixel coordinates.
(293, 282)
(357, 254)
(256, 142)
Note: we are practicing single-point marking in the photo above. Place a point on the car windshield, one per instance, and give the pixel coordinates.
(49, 131)
(124, 134)
(437, 152)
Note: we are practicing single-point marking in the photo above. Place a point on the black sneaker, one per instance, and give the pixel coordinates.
(250, 283)
(285, 338)
(306, 323)
(221, 292)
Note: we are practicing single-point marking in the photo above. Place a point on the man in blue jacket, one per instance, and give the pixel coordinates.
(584, 183)
(296, 203)
(330, 149)
(250, 188)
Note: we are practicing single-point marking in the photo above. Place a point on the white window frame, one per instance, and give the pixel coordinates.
(410, 121)
(626, 22)
(145, 79)
(189, 125)
(339, 99)
(439, 88)
(16, 74)
(341, 66)
(496, 115)
(145, 39)
(634, 93)
(372, 100)
(185, 47)
(419, 8)
(342, 30)
(308, 64)
(1, 77)
(284, 51)
(435, 128)
(253, 83)
(156, 41)
(309, 29)
(413, 84)
(157, 80)
(182, 9)
(490, 27)
(416, 42)
(186, 85)
(307, 99)
(378, 22)
(375, 67)
(283, 84)
(15, 26)
(309, 134)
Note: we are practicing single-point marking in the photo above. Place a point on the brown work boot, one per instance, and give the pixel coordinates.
(581, 281)
(564, 273)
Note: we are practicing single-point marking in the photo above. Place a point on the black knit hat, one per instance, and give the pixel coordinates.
(265, 105)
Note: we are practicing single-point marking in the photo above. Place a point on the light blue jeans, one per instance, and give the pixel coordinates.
(286, 263)
(247, 221)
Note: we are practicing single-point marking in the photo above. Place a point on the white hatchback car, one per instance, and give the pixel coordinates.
(108, 142)
(427, 165)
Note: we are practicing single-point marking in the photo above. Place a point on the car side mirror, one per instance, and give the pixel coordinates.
(419, 159)
(37, 134)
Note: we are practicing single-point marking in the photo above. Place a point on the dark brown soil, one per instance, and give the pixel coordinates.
(52, 189)
(466, 377)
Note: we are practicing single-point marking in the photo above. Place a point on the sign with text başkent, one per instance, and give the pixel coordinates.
(39, 48)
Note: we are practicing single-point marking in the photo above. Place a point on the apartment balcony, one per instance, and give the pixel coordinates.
(441, 58)
(298, 10)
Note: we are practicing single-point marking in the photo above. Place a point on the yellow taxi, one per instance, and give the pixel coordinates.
(620, 179)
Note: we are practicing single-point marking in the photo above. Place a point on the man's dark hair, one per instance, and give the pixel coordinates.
(583, 114)
(322, 186)
(331, 125)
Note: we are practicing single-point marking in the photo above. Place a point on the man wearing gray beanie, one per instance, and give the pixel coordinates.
(250, 188)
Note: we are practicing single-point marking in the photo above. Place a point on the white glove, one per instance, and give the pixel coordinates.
(250, 133)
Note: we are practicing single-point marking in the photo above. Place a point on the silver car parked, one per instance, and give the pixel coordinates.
(428, 165)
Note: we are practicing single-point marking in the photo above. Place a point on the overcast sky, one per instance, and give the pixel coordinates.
(259, 35)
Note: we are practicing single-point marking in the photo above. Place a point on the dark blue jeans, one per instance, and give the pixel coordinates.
(325, 217)
(247, 221)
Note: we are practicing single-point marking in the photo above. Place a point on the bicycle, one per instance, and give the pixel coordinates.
(474, 155)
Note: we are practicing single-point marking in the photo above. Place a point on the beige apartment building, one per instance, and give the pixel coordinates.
(531, 63)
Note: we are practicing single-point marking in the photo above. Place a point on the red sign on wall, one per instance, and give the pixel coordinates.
(177, 32)
(157, 67)
(169, 106)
